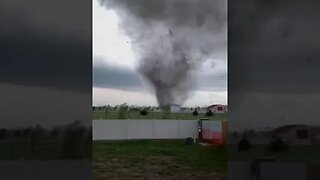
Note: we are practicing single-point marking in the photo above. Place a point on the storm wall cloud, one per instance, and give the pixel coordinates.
(35, 42)
(273, 67)
(171, 39)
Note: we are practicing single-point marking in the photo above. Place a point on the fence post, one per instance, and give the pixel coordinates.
(127, 124)
(153, 129)
(178, 129)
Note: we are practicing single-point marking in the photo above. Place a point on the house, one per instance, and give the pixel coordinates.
(175, 108)
(298, 134)
(217, 108)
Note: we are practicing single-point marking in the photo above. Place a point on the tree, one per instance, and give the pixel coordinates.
(244, 144)
(209, 113)
(73, 139)
(195, 113)
(122, 111)
(278, 145)
(54, 132)
(144, 112)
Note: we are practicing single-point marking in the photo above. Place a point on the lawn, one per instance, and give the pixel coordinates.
(157, 159)
(156, 115)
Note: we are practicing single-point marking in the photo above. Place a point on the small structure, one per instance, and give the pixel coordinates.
(217, 108)
(213, 132)
(175, 108)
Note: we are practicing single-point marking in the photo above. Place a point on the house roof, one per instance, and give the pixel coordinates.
(286, 128)
(215, 105)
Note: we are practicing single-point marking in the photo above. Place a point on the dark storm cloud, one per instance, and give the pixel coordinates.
(41, 46)
(172, 38)
(108, 76)
(212, 82)
(273, 46)
(273, 65)
(115, 77)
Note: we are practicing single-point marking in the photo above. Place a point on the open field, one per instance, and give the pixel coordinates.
(294, 154)
(157, 159)
(155, 115)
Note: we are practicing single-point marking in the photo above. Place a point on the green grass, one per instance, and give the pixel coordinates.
(294, 154)
(155, 115)
(161, 159)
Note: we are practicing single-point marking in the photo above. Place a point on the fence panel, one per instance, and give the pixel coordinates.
(140, 129)
(110, 129)
(143, 129)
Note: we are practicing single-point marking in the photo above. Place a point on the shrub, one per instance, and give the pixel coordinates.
(244, 144)
(54, 132)
(144, 112)
(278, 146)
(209, 113)
(122, 111)
(195, 113)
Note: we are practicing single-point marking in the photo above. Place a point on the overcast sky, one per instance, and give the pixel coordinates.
(274, 63)
(45, 63)
(116, 80)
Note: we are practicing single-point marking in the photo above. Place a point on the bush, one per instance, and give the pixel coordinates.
(54, 132)
(277, 146)
(144, 112)
(244, 144)
(209, 113)
(122, 111)
(195, 113)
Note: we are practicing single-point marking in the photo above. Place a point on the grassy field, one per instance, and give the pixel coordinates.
(163, 159)
(155, 115)
(294, 154)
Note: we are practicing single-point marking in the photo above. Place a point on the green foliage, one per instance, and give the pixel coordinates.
(195, 112)
(122, 111)
(73, 139)
(277, 146)
(144, 112)
(209, 113)
(244, 144)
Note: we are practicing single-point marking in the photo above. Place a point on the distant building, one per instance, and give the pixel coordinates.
(298, 134)
(175, 108)
(217, 108)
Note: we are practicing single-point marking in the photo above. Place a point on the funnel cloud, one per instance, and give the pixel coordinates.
(171, 39)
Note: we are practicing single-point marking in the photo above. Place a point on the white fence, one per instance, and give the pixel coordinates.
(144, 129)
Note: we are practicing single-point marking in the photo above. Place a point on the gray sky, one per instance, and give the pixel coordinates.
(45, 74)
(274, 67)
(116, 80)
